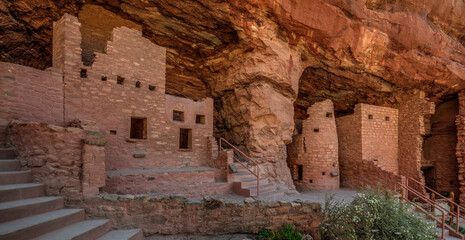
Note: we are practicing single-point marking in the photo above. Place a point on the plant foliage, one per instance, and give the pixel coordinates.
(374, 214)
(287, 232)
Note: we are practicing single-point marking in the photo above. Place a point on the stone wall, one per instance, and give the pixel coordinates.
(316, 150)
(164, 214)
(70, 162)
(29, 94)
(411, 131)
(129, 81)
(350, 145)
(460, 150)
(379, 135)
(191, 182)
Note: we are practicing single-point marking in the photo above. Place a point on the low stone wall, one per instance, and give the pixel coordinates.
(165, 214)
(70, 162)
(363, 173)
(193, 182)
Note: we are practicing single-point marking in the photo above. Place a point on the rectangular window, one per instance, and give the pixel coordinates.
(119, 80)
(185, 138)
(178, 116)
(200, 119)
(300, 172)
(138, 128)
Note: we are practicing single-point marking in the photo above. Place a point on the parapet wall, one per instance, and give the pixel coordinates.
(164, 214)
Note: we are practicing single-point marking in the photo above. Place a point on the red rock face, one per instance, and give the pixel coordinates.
(265, 62)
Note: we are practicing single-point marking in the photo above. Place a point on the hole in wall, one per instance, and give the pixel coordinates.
(151, 88)
(305, 146)
(300, 172)
(113, 132)
(386, 118)
(310, 181)
(83, 73)
(120, 80)
(316, 130)
(103, 78)
(329, 115)
(137, 84)
(451, 182)
(370, 116)
(323, 173)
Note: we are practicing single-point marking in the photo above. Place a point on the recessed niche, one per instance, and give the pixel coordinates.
(323, 173)
(386, 118)
(300, 172)
(83, 73)
(200, 119)
(310, 181)
(329, 115)
(185, 138)
(370, 116)
(103, 78)
(120, 80)
(113, 132)
(451, 182)
(137, 84)
(178, 116)
(316, 130)
(151, 88)
(138, 128)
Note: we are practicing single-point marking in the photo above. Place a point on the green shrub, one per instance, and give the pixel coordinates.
(287, 232)
(373, 214)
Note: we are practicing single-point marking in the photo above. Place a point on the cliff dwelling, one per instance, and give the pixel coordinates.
(144, 119)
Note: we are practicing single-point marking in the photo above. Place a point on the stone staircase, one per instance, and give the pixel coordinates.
(25, 213)
(245, 184)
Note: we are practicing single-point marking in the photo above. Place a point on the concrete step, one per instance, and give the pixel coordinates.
(10, 165)
(249, 182)
(29, 207)
(30, 227)
(7, 153)
(20, 191)
(252, 190)
(131, 234)
(14, 177)
(272, 194)
(90, 229)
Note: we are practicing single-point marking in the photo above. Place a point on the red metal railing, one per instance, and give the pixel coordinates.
(454, 206)
(405, 190)
(257, 174)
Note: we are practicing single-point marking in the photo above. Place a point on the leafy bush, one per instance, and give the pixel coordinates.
(373, 214)
(287, 232)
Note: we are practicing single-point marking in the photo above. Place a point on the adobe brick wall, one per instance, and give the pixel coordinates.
(317, 152)
(350, 145)
(29, 94)
(411, 131)
(68, 161)
(111, 105)
(191, 182)
(440, 148)
(379, 135)
(210, 216)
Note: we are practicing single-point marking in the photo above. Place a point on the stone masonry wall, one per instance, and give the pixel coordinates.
(460, 150)
(379, 135)
(68, 161)
(316, 149)
(29, 94)
(140, 67)
(411, 131)
(350, 145)
(163, 214)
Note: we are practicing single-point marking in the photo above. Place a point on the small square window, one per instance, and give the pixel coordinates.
(120, 80)
(151, 88)
(200, 119)
(310, 181)
(185, 138)
(83, 73)
(316, 130)
(370, 116)
(329, 115)
(103, 78)
(323, 173)
(137, 84)
(138, 128)
(113, 132)
(386, 118)
(178, 116)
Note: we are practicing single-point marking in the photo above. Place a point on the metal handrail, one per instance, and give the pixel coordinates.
(405, 198)
(250, 159)
(458, 207)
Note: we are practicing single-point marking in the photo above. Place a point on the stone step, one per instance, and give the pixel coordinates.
(446, 232)
(20, 191)
(7, 153)
(252, 190)
(28, 207)
(30, 227)
(272, 194)
(243, 176)
(131, 234)
(249, 182)
(10, 165)
(90, 229)
(15, 177)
